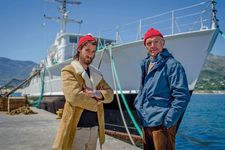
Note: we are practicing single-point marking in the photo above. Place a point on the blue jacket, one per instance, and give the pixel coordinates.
(163, 94)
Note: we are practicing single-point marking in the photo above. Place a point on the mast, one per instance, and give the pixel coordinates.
(64, 14)
(213, 15)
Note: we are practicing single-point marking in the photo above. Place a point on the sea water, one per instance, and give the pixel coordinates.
(203, 125)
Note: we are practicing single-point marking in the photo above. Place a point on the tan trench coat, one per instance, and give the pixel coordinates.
(76, 102)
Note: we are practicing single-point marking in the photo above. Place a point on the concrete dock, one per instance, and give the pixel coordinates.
(37, 132)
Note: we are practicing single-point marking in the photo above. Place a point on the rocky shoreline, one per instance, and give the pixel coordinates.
(209, 92)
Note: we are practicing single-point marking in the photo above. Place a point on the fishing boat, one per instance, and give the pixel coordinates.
(189, 37)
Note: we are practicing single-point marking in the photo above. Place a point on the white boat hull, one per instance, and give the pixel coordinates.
(191, 49)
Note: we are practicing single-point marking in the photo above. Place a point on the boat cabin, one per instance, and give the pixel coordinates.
(64, 47)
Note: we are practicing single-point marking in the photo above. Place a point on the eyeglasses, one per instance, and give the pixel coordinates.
(154, 42)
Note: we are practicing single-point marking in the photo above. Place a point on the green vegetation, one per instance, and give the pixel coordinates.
(211, 84)
(212, 76)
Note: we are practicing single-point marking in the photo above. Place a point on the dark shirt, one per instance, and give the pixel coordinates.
(88, 118)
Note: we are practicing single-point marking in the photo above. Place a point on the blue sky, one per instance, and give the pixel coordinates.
(26, 35)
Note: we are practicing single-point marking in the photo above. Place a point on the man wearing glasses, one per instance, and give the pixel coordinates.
(163, 94)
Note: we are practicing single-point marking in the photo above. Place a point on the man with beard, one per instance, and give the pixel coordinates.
(163, 94)
(85, 92)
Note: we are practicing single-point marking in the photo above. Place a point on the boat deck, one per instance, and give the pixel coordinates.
(37, 131)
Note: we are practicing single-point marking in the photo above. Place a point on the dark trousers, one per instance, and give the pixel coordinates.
(159, 138)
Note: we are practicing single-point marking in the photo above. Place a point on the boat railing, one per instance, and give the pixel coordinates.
(191, 18)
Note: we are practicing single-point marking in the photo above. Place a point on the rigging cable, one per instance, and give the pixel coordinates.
(222, 34)
(123, 97)
(117, 96)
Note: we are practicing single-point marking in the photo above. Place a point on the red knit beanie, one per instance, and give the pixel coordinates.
(151, 33)
(84, 39)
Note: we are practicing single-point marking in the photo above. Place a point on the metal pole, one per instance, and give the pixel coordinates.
(139, 31)
(172, 21)
(64, 17)
(117, 35)
(201, 21)
(8, 105)
(213, 15)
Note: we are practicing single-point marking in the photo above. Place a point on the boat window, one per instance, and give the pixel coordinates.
(102, 42)
(109, 41)
(73, 39)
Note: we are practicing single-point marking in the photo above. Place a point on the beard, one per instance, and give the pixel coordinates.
(86, 60)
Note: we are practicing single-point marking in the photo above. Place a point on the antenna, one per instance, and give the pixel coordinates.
(64, 14)
(214, 18)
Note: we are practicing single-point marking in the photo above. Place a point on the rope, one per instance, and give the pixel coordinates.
(123, 97)
(169, 12)
(101, 57)
(37, 102)
(100, 45)
(118, 99)
(222, 34)
(191, 6)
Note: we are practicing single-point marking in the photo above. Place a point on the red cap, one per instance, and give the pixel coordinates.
(151, 33)
(84, 39)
